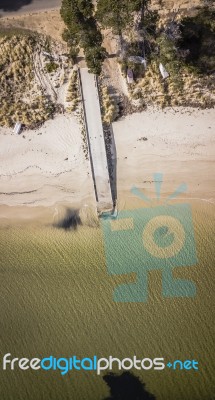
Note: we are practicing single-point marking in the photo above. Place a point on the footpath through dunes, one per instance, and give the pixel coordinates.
(96, 141)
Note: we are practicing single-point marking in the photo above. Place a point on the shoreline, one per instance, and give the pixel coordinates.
(47, 168)
(50, 215)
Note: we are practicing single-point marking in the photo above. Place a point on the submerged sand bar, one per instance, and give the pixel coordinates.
(96, 142)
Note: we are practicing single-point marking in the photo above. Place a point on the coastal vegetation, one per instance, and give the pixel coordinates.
(51, 67)
(30, 77)
(110, 108)
(73, 100)
(185, 47)
(73, 95)
(82, 31)
(197, 40)
(183, 44)
(22, 97)
(35, 79)
(119, 15)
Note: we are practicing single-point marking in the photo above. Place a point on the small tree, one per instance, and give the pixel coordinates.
(82, 31)
(94, 58)
(117, 14)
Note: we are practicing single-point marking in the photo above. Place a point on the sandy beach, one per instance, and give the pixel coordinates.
(47, 166)
(180, 144)
(56, 291)
(44, 167)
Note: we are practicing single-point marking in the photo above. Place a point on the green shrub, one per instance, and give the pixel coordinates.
(51, 67)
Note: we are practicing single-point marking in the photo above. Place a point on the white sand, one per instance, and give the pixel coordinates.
(37, 163)
(180, 144)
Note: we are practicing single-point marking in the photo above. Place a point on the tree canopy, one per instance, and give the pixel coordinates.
(117, 14)
(82, 31)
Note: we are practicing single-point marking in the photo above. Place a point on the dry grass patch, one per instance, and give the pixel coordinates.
(22, 98)
(184, 89)
(110, 107)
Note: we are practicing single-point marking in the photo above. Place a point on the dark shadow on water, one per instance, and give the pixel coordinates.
(126, 387)
(13, 5)
(70, 221)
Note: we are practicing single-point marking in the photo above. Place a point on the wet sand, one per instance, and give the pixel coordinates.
(56, 299)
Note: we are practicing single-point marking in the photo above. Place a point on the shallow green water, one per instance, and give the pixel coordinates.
(56, 299)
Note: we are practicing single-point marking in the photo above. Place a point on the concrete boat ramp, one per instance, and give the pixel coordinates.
(96, 141)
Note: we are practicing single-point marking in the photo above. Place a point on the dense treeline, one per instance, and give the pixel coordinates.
(83, 32)
(191, 40)
(118, 15)
(84, 25)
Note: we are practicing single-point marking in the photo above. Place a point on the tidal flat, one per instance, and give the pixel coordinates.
(57, 299)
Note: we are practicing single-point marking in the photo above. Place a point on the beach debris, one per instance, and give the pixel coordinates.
(17, 128)
(130, 76)
(163, 71)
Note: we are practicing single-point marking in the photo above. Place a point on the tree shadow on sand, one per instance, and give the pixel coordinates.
(13, 5)
(126, 387)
